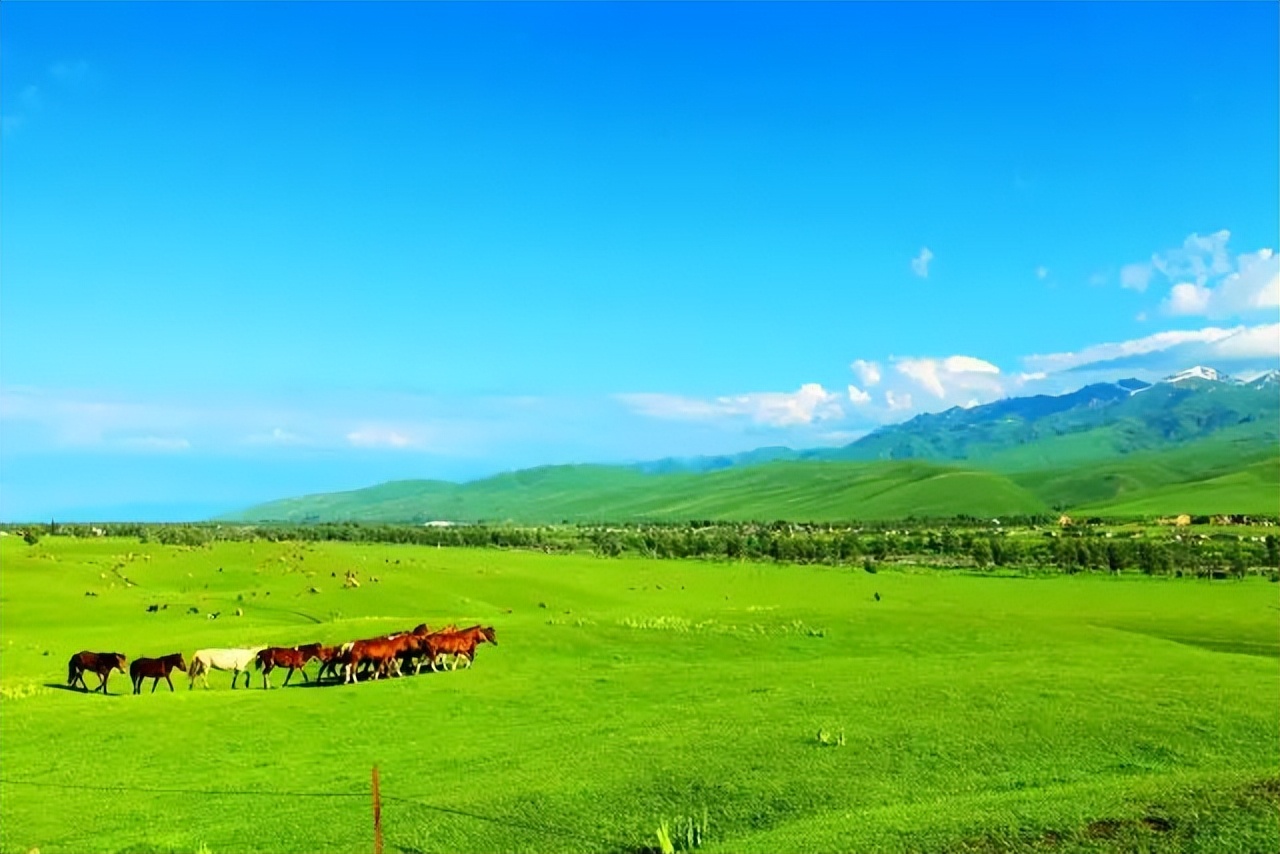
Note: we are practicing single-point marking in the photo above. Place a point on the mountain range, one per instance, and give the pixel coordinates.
(1197, 441)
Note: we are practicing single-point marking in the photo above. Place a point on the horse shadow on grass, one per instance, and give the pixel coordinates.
(62, 686)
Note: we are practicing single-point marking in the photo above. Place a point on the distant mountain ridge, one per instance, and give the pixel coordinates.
(1097, 421)
(1101, 443)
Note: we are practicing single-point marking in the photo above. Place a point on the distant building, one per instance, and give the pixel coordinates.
(437, 523)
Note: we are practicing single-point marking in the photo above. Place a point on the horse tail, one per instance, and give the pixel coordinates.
(257, 660)
(71, 670)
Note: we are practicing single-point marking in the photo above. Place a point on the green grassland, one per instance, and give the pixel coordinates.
(1213, 476)
(977, 713)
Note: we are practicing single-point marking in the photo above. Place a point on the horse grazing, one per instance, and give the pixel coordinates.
(235, 660)
(461, 644)
(294, 658)
(101, 663)
(156, 669)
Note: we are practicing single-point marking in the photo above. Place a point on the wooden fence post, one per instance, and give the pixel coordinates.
(377, 814)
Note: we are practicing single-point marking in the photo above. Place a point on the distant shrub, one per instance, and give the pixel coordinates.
(31, 538)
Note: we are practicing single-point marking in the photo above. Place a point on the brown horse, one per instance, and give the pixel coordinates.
(294, 658)
(461, 644)
(381, 652)
(419, 650)
(331, 658)
(101, 663)
(156, 669)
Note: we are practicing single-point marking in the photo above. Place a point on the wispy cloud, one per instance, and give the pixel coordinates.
(381, 437)
(1239, 348)
(810, 404)
(1042, 272)
(64, 75)
(920, 263)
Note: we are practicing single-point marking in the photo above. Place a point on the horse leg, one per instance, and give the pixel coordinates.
(105, 677)
(170, 681)
(155, 680)
(265, 683)
(235, 677)
(303, 671)
(288, 676)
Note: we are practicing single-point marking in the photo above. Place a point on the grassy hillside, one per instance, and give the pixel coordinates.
(781, 490)
(1218, 475)
(961, 713)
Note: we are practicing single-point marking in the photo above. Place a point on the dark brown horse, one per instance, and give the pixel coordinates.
(101, 663)
(294, 658)
(155, 669)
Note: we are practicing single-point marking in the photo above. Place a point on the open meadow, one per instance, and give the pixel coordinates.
(780, 708)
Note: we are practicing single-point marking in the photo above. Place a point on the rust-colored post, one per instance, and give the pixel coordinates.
(377, 814)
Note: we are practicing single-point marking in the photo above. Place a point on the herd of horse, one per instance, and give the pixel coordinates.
(384, 656)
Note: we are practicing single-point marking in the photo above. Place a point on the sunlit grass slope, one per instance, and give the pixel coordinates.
(979, 714)
(780, 490)
(1214, 476)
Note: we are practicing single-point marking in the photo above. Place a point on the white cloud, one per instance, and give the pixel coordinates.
(868, 372)
(1042, 273)
(1056, 362)
(1254, 286)
(940, 377)
(809, 404)
(897, 402)
(1238, 349)
(858, 397)
(920, 263)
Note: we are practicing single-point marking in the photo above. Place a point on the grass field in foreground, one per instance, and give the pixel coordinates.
(978, 714)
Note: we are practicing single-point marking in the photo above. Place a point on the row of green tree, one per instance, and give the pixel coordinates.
(1155, 552)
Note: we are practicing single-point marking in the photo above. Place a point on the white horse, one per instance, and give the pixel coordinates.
(235, 660)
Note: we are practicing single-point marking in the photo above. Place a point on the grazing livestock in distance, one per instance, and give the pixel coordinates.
(294, 658)
(156, 668)
(101, 663)
(235, 660)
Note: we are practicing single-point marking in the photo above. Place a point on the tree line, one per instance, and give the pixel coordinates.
(1081, 548)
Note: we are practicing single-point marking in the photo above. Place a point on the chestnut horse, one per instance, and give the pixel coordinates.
(461, 644)
(294, 658)
(156, 669)
(381, 652)
(101, 663)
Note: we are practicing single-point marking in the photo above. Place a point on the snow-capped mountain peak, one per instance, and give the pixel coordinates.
(1199, 372)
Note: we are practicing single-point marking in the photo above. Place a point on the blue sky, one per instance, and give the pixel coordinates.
(256, 250)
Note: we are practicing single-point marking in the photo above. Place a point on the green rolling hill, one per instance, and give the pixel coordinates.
(1195, 444)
